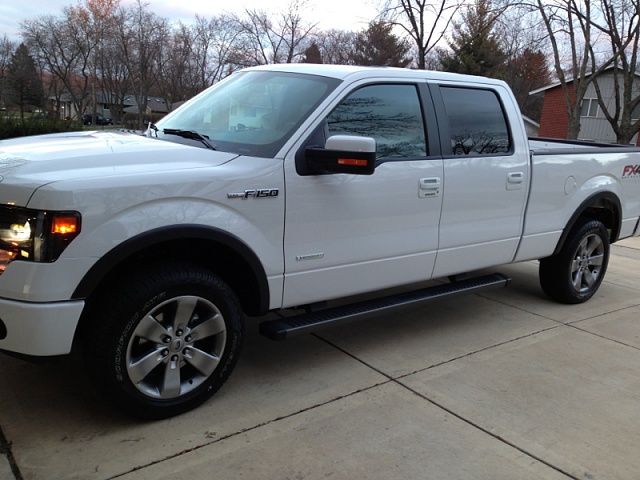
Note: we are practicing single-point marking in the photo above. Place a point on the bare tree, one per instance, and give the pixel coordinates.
(197, 56)
(93, 18)
(60, 45)
(569, 23)
(425, 21)
(336, 47)
(7, 47)
(214, 46)
(143, 35)
(520, 29)
(116, 81)
(526, 66)
(619, 21)
(279, 38)
(177, 66)
(295, 31)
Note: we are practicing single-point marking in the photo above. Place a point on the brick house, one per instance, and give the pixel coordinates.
(554, 121)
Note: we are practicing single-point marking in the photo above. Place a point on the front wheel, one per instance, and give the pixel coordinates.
(576, 272)
(164, 341)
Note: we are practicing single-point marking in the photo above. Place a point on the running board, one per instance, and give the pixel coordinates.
(283, 328)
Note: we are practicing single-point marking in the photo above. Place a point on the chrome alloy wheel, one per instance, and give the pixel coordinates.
(176, 347)
(586, 267)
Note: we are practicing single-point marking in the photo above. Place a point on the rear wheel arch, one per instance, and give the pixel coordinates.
(603, 206)
(220, 252)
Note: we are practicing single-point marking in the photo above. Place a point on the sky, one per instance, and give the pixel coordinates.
(341, 14)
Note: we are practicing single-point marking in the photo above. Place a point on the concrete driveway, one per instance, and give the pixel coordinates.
(503, 385)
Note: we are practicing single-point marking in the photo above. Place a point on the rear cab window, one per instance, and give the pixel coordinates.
(477, 123)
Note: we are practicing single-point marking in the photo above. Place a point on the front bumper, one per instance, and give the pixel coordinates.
(38, 329)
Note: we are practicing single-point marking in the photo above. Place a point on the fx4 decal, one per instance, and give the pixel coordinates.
(259, 193)
(631, 171)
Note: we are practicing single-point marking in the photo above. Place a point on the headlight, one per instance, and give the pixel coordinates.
(35, 235)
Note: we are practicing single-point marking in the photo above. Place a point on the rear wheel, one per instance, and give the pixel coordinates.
(164, 341)
(576, 272)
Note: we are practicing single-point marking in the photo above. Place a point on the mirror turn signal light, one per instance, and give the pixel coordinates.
(353, 161)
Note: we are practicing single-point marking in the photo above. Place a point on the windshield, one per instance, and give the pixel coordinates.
(250, 113)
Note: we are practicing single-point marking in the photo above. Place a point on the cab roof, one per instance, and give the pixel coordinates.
(342, 72)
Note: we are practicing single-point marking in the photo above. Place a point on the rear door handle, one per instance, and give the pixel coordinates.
(429, 187)
(515, 180)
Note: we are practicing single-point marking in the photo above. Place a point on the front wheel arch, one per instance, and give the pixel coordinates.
(219, 251)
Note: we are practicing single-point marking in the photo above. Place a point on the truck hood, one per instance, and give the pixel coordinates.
(28, 163)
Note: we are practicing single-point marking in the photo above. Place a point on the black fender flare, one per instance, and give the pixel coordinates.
(593, 200)
(158, 236)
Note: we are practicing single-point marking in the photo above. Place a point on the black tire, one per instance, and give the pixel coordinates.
(164, 341)
(576, 272)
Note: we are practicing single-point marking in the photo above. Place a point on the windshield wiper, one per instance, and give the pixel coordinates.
(150, 127)
(191, 135)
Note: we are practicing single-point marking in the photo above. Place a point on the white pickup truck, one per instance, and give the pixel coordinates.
(281, 187)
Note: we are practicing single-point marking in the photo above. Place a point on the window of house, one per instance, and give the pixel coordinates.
(589, 107)
(477, 121)
(635, 114)
(391, 114)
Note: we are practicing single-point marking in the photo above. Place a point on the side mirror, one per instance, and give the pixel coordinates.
(343, 154)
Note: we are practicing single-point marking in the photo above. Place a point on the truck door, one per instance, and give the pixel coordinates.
(346, 234)
(486, 176)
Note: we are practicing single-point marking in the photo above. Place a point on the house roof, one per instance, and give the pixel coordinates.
(530, 122)
(548, 87)
(558, 83)
(155, 104)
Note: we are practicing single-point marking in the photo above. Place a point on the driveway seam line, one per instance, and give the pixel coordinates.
(603, 314)
(435, 365)
(5, 449)
(398, 381)
(248, 429)
(535, 314)
(598, 335)
(488, 432)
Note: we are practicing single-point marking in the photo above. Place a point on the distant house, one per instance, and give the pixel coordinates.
(531, 127)
(554, 122)
(64, 106)
(105, 105)
(154, 105)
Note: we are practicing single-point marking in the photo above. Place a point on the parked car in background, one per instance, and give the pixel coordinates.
(100, 119)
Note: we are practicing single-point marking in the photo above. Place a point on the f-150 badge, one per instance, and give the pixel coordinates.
(259, 193)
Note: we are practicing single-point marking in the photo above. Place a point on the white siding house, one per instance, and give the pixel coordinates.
(593, 123)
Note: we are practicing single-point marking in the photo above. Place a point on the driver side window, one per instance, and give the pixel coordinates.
(391, 114)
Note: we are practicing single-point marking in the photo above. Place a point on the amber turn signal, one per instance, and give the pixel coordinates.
(353, 161)
(64, 225)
